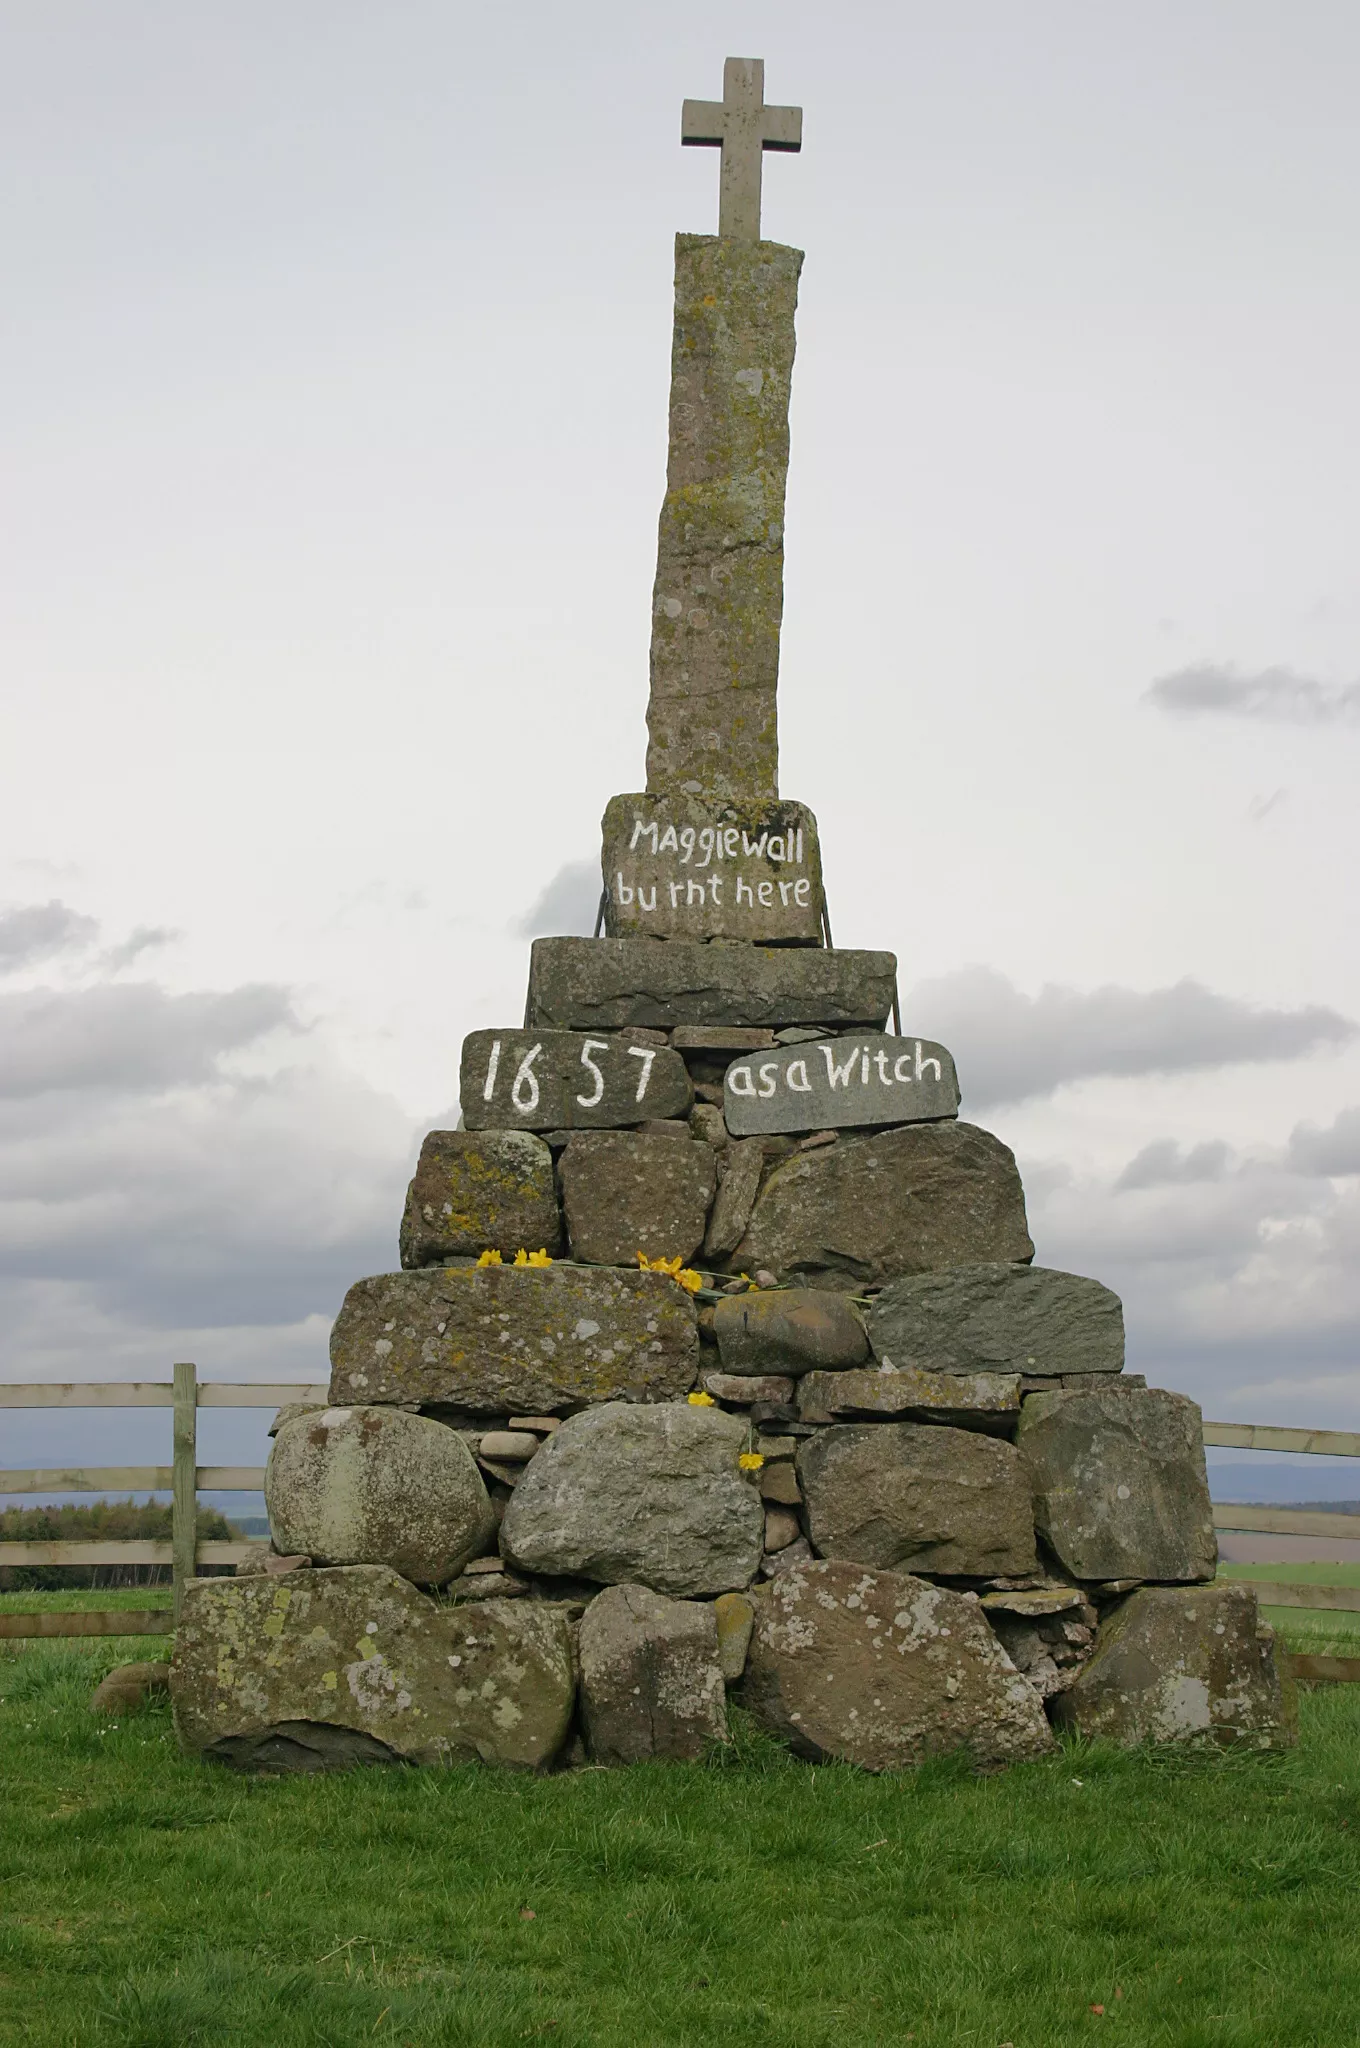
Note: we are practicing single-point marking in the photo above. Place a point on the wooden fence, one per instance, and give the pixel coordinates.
(185, 1477)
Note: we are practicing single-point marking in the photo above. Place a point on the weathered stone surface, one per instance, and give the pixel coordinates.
(601, 984)
(327, 1668)
(689, 867)
(652, 1495)
(480, 1191)
(1049, 1648)
(651, 1679)
(697, 1041)
(626, 1193)
(130, 1686)
(719, 594)
(836, 1083)
(883, 1670)
(1196, 1667)
(565, 1080)
(744, 1388)
(706, 1124)
(505, 1338)
(735, 1618)
(377, 1486)
(788, 1331)
(938, 1500)
(1120, 1490)
(515, 1445)
(737, 1191)
(978, 1397)
(782, 1528)
(999, 1318)
(866, 1210)
(779, 1483)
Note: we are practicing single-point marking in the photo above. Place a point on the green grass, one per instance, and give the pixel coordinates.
(150, 1902)
(1305, 1628)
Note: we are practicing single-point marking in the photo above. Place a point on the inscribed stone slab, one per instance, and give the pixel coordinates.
(841, 1082)
(687, 867)
(603, 984)
(563, 1080)
(719, 595)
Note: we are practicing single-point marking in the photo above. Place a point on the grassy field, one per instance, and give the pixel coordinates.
(153, 1903)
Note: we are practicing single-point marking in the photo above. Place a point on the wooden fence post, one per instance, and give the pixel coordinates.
(184, 1503)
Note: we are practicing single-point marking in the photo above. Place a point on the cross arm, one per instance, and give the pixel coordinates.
(703, 124)
(781, 128)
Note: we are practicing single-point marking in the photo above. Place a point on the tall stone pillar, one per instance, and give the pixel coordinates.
(719, 594)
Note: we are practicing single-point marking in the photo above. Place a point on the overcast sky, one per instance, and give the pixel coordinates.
(335, 355)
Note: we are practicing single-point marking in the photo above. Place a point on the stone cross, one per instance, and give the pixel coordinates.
(741, 126)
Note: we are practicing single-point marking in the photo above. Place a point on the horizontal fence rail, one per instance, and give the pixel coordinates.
(185, 1478)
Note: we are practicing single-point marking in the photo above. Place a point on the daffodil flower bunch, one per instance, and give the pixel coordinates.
(700, 1400)
(683, 1276)
(749, 1461)
(538, 1258)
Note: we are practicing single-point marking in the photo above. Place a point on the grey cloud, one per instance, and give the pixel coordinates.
(1163, 1164)
(1010, 1046)
(38, 931)
(132, 1038)
(137, 942)
(1335, 1150)
(567, 907)
(1279, 695)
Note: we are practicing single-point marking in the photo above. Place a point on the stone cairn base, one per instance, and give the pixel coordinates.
(656, 1414)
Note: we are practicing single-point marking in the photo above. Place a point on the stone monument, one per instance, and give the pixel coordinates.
(718, 1365)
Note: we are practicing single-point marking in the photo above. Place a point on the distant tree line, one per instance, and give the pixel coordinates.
(103, 1521)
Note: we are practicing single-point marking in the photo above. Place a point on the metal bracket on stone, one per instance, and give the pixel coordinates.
(826, 926)
(599, 919)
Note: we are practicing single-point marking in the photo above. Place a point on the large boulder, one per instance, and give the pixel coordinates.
(651, 1679)
(477, 1191)
(945, 1501)
(909, 1200)
(883, 1670)
(1191, 1666)
(788, 1330)
(1120, 1489)
(514, 1340)
(998, 1318)
(627, 1192)
(653, 1495)
(377, 1486)
(320, 1669)
(603, 984)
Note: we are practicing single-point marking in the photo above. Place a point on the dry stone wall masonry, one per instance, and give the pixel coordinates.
(718, 1366)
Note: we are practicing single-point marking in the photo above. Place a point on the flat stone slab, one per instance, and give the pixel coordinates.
(871, 1393)
(1197, 1667)
(652, 1682)
(999, 1318)
(375, 1485)
(882, 1670)
(503, 1340)
(626, 1192)
(317, 1670)
(836, 1083)
(742, 1388)
(1120, 1490)
(788, 1331)
(604, 984)
(480, 1191)
(690, 867)
(566, 1080)
(647, 1495)
(867, 1209)
(921, 1497)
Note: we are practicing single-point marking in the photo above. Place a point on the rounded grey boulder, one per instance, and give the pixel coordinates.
(646, 1495)
(377, 1486)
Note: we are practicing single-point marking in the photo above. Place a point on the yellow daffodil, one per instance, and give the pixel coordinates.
(700, 1400)
(490, 1259)
(683, 1276)
(539, 1258)
(749, 1461)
